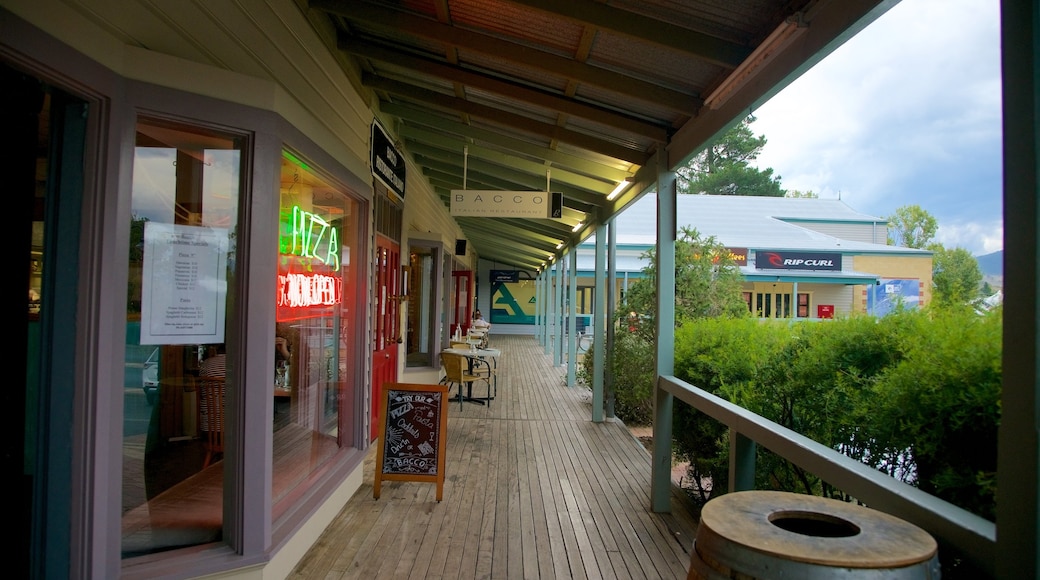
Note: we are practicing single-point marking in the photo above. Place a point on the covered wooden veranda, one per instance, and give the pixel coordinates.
(533, 489)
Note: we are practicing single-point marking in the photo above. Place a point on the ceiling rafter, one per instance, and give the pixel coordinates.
(510, 51)
(515, 177)
(466, 132)
(514, 120)
(720, 52)
(533, 237)
(559, 174)
(528, 94)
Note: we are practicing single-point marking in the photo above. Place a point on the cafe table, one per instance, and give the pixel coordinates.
(483, 355)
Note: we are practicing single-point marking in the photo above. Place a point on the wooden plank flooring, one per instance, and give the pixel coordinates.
(533, 489)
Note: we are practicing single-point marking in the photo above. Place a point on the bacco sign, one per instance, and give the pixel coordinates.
(514, 204)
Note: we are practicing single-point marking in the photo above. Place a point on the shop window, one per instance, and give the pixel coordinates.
(185, 196)
(771, 300)
(315, 342)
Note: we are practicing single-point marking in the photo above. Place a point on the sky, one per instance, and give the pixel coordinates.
(907, 112)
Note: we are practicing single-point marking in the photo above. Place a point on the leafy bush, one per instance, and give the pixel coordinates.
(914, 394)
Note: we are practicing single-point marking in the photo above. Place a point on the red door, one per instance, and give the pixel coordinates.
(386, 322)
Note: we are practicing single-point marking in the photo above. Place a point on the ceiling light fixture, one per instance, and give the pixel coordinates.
(790, 29)
(577, 226)
(559, 245)
(617, 190)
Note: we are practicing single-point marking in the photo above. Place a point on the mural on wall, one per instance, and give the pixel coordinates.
(512, 299)
(891, 294)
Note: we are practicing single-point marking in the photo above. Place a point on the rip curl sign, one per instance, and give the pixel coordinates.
(798, 261)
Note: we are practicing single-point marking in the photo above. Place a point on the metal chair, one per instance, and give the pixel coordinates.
(457, 372)
(210, 393)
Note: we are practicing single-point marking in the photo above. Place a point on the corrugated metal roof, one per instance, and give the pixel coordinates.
(611, 83)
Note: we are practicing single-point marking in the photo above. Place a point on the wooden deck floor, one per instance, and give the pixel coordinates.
(533, 489)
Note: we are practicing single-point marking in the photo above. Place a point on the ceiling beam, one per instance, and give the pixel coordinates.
(526, 230)
(549, 228)
(520, 122)
(590, 12)
(525, 93)
(561, 174)
(507, 174)
(490, 239)
(547, 62)
(468, 132)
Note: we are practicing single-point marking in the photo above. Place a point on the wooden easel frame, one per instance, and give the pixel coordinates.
(442, 435)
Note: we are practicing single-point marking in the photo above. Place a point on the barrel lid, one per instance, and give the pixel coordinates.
(811, 529)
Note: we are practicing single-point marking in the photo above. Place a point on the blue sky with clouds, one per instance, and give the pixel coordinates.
(906, 112)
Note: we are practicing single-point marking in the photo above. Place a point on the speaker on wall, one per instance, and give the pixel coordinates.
(460, 247)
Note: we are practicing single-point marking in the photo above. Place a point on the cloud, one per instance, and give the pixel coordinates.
(905, 112)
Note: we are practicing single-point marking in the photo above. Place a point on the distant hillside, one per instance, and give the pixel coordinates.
(992, 264)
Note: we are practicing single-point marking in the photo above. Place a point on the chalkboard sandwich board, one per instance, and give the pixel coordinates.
(414, 426)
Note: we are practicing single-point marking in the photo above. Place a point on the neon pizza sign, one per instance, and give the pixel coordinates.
(308, 283)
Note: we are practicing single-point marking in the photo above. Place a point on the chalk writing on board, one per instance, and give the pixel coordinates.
(411, 432)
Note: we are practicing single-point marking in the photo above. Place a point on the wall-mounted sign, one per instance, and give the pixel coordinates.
(738, 255)
(505, 276)
(797, 261)
(387, 162)
(514, 204)
(890, 295)
(184, 284)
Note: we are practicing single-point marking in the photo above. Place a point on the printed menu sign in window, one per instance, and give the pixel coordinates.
(413, 424)
(184, 284)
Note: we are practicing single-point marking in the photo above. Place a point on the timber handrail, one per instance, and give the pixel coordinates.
(974, 537)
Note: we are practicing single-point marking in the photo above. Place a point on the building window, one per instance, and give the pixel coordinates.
(775, 301)
(185, 196)
(315, 327)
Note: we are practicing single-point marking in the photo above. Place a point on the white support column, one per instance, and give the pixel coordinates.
(558, 315)
(661, 468)
(599, 324)
(572, 319)
(611, 327)
(539, 298)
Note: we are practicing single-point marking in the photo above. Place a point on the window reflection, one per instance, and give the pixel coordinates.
(184, 203)
(314, 327)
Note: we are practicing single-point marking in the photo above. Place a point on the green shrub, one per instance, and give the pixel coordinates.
(914, 394)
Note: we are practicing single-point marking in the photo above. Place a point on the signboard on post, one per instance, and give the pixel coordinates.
(414, 427)
(387, 162)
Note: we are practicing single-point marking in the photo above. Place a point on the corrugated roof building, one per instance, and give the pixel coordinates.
(800, 257)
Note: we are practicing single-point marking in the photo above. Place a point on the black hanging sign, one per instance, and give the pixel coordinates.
(387, 162)
(414, 426)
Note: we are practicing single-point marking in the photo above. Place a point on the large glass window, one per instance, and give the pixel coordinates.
(315, 338)
(184, 204)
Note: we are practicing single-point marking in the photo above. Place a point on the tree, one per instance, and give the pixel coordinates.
(956, 277)
(707, 283)
(911, 227)
(808, 194)
(724, 167)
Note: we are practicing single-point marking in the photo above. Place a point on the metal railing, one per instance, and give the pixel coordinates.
(973, 537)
